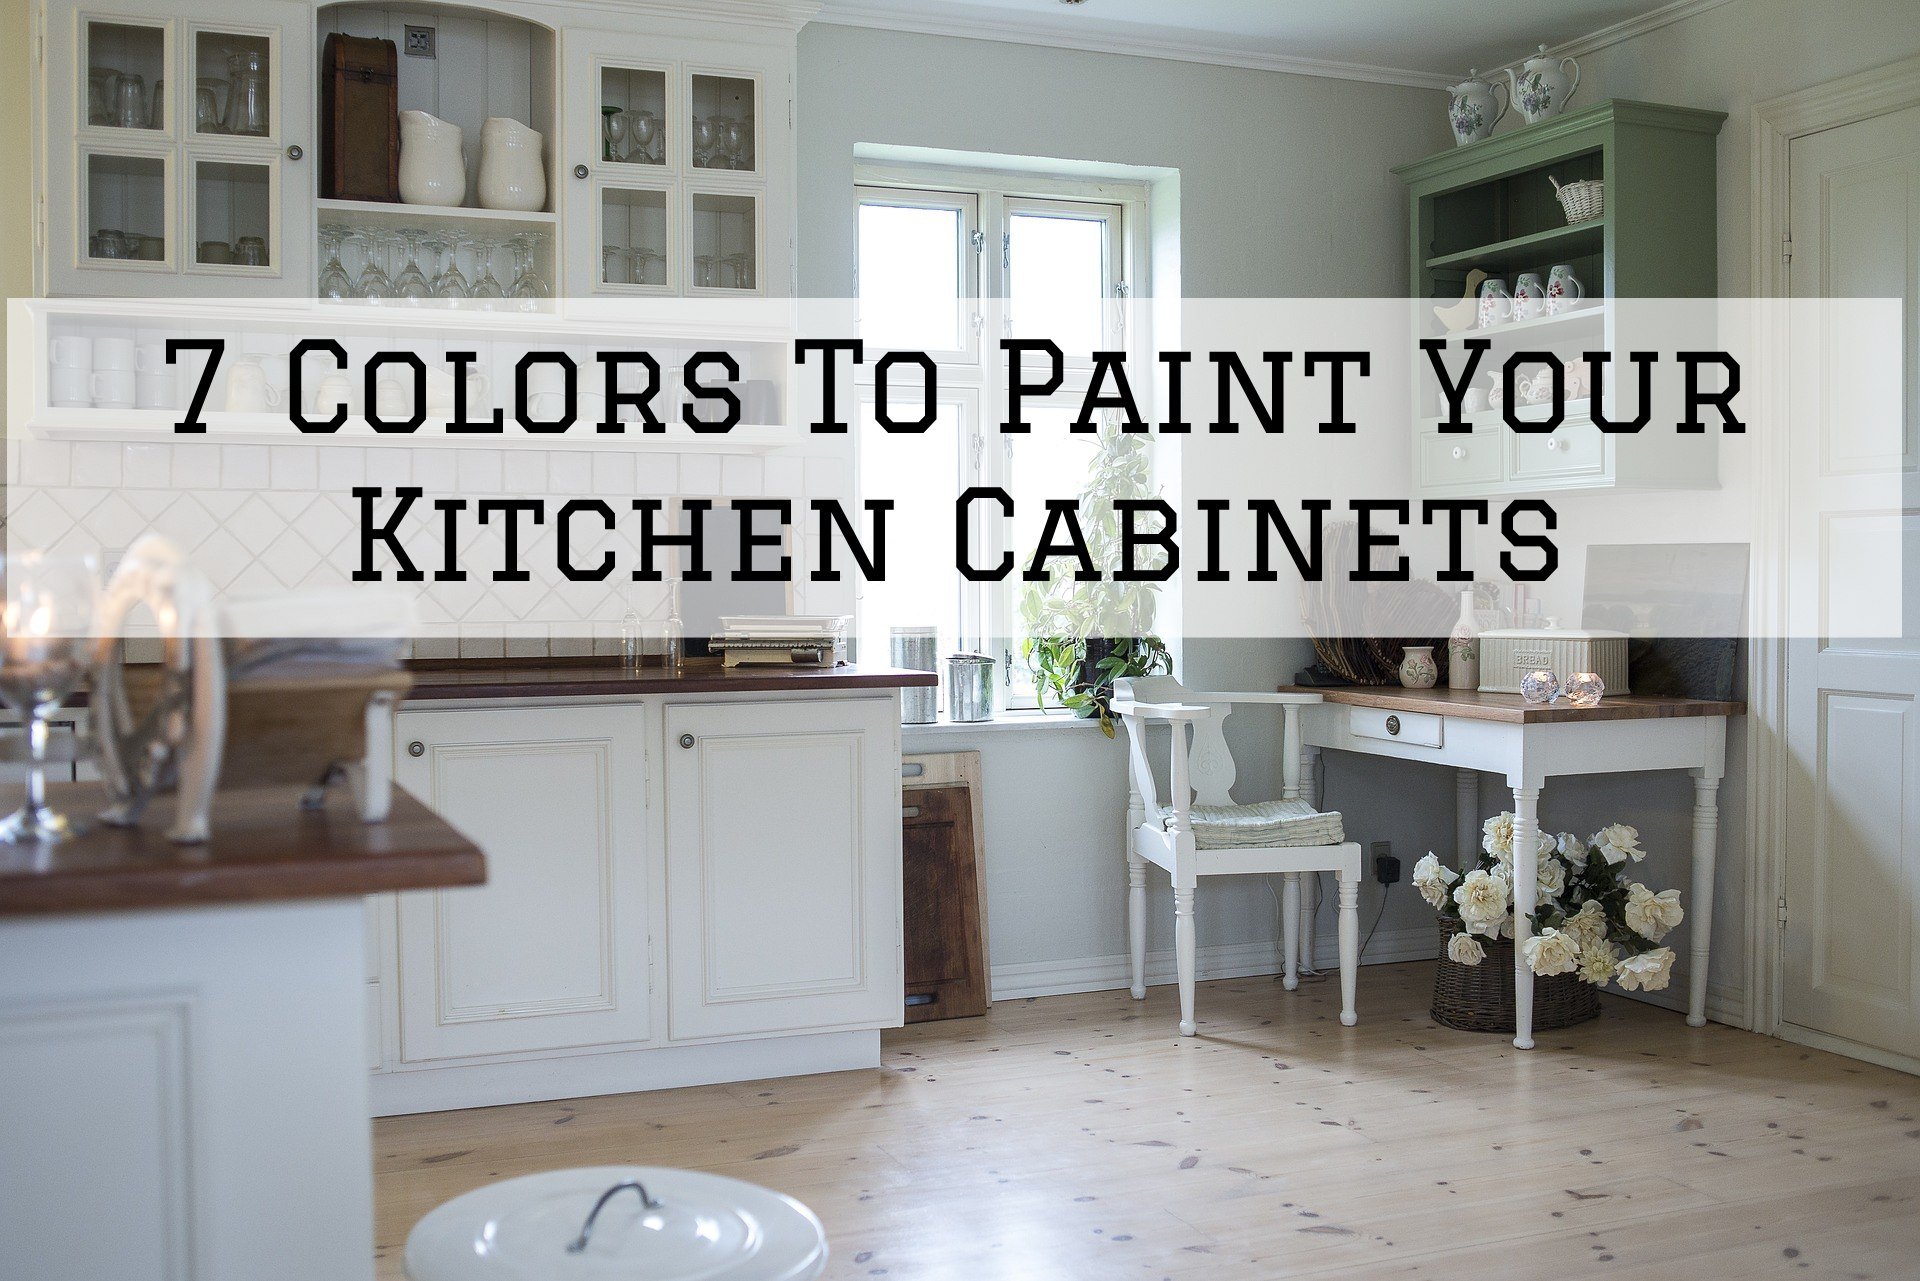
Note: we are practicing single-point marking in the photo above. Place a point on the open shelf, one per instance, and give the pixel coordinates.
(1578, 240)
(380, 213)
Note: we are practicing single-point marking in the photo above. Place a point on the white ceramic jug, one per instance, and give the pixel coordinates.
(512, 175)
(1542, 86)
(431, 169)
(1472, 115)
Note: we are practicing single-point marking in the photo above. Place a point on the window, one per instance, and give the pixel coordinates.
(947, 266)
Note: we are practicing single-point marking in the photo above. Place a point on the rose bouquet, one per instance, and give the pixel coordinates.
(1589, 917)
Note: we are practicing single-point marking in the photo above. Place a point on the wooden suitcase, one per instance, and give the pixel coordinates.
(360, 119)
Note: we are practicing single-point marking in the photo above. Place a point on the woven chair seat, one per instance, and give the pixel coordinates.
(1264, 825)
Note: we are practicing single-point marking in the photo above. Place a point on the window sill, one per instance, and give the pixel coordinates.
(1003, 723)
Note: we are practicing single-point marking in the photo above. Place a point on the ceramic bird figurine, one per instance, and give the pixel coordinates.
(1463, 314)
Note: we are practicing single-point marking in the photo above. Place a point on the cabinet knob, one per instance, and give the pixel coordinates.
(1459, 453)
(295, 151)
(686, 740)
(1553, 444)
(1393, 725)
(579, 171)
(416, 748)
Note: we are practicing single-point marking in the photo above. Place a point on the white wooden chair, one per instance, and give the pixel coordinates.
(1203, 832)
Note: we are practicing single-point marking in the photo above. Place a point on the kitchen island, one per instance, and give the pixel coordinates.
(693, 877)
(183, 1088)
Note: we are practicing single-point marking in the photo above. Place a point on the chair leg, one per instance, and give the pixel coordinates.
(1183, 960)
(1290, 930)
(1349, 947)
(1137, 922)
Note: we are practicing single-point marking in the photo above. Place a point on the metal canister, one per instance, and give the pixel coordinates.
(970, 687)
(917, 649)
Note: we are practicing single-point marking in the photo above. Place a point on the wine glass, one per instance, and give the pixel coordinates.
(613, 128)
(722, 150)
(613, 260)
(703, 140)
(739, 143)
(703, 270)
(335, 284)
(742, 264)
(486, 286)
(411, 284)
(374, 284)
(643, 259)
(449, 282)
(48, 642)
(527, 287)
(643, 128)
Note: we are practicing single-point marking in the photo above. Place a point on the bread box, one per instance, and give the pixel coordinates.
(1507, 654)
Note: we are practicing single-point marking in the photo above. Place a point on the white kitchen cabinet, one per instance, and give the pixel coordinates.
(783, 866)
(552, 953)
(143, 193)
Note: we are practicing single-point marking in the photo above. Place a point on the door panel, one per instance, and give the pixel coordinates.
(552, 951)
(783, 866)
(1853, 731)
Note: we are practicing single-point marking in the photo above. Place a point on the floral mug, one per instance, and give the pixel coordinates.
(1564, 290)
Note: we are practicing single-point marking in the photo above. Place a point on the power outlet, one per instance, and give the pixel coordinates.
(1386, 868)
(420, 42)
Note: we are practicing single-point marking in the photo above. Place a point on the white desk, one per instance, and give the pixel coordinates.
(1499, 734)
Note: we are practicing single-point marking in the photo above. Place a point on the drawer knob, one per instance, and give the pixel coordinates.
(1459, 453)
(1553, 444)
(416, 748)
(1393, 725)
(686, 740)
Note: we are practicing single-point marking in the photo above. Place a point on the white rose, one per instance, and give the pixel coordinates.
(1649, 971)
(1573, 849)
(1465, 949)
(1552, 880)
(1650, 914)
(1482, 899)
(1617, 843)
(1432, 877)
(1552, 952)
(1589, 924)
(1596, 963)
(1497, 838)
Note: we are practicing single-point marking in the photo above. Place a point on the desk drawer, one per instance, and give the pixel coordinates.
(1416, 728)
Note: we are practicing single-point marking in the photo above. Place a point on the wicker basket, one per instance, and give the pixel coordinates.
(1583, 201)
(1479, 998)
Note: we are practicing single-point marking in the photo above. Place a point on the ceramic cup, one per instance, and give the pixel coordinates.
(440, 389)
(70, 388)
(113, 353)
(111, 388)
(334, 392)
(158, 390)
(216, 251)
(151, 358)
(248, 391)
(393, 400)
(546, 379)
(1473, 400)
(69, 351)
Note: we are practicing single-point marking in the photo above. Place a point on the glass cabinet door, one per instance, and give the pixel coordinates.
(636, 127)
(722, 243)
(234, 215)
(125, 219)
(126, 63)
(234, 92)
(723, 122)
(637, 249)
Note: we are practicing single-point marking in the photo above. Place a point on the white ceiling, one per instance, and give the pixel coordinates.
(1424, 40)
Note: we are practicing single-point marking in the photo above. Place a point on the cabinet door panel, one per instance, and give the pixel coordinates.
(552, 952)
(783, 866)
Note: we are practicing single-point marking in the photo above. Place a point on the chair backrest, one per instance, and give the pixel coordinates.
(1210, 770)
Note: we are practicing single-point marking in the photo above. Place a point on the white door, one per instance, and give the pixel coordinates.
(1850, 964)
(783, 866)
(551, 953)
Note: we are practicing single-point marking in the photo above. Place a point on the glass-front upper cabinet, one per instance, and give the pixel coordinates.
(178, 150)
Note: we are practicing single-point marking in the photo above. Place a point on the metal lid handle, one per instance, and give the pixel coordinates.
(579, 1243)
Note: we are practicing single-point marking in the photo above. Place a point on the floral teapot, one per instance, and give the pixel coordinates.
(1542, 86)
(1472, 115)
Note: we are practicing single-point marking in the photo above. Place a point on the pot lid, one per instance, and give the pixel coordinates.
(618, 1223)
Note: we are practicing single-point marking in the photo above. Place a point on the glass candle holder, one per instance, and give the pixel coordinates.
(1540, 686)
(1585, 688)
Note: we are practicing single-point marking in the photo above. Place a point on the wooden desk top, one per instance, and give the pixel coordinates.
(1511, 708)
(569, 678)
(264, 847)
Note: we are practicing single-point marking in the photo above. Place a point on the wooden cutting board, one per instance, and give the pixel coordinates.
(945, 955)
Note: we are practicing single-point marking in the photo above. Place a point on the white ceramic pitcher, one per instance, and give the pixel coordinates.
(431, 169)
(512, 175)
(1472, 113)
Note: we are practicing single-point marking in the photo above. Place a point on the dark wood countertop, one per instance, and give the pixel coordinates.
(570, 678)
(1511, 708)
(264, 847)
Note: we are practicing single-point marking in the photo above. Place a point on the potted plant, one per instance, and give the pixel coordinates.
(1592, 925)
(1080, 637)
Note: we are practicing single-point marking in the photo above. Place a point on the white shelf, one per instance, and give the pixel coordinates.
(380, 213)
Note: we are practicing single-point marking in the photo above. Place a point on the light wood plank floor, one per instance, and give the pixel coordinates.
(1078, 1137)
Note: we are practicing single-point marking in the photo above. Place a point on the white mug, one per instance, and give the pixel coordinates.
(69, 351)
(158, 390)
(546, 406)
(111, 388)
(393, 400)
(440, 390)
(71, 388)
(276, 368)
(113, 353)
(335, 392)
(248, 391)
(1473, 400)
(151, 358)
(545, 379)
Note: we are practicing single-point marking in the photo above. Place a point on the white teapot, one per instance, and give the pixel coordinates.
(1471, 114)
(1542, 86)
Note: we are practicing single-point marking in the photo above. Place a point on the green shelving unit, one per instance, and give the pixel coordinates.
(1490, 205)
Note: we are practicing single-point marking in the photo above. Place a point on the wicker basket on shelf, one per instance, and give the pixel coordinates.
(1583, 201)
(1479, 998)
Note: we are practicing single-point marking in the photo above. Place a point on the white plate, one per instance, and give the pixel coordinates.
(705, 1228)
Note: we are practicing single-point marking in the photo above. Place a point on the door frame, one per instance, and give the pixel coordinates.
(1776, 123)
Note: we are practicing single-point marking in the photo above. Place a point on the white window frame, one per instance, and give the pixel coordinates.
(990, 611)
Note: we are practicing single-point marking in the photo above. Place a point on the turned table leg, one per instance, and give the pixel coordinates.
(1466, 818)
(1706, 840)
(1526, 871)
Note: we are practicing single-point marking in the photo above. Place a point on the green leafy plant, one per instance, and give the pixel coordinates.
(1080, 637)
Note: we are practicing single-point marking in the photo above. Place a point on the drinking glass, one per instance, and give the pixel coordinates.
(643, 128)
(207, 94)
(486, 286)
(613, 261)
(528, 289)
(411, 284)
(130, 105)
(643, 260)
(250, 251)
(740, 143)
(102, 95)
(44, 653)
(721, 156)
(335, 284)
(613, 130)
(703, 270)
(108, 243)
(742, 264)
(449, 282)
(703, 140)
(247, 92)
(374, 284)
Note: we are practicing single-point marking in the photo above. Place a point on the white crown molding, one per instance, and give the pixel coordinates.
(1222, 51)
(790, 15)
